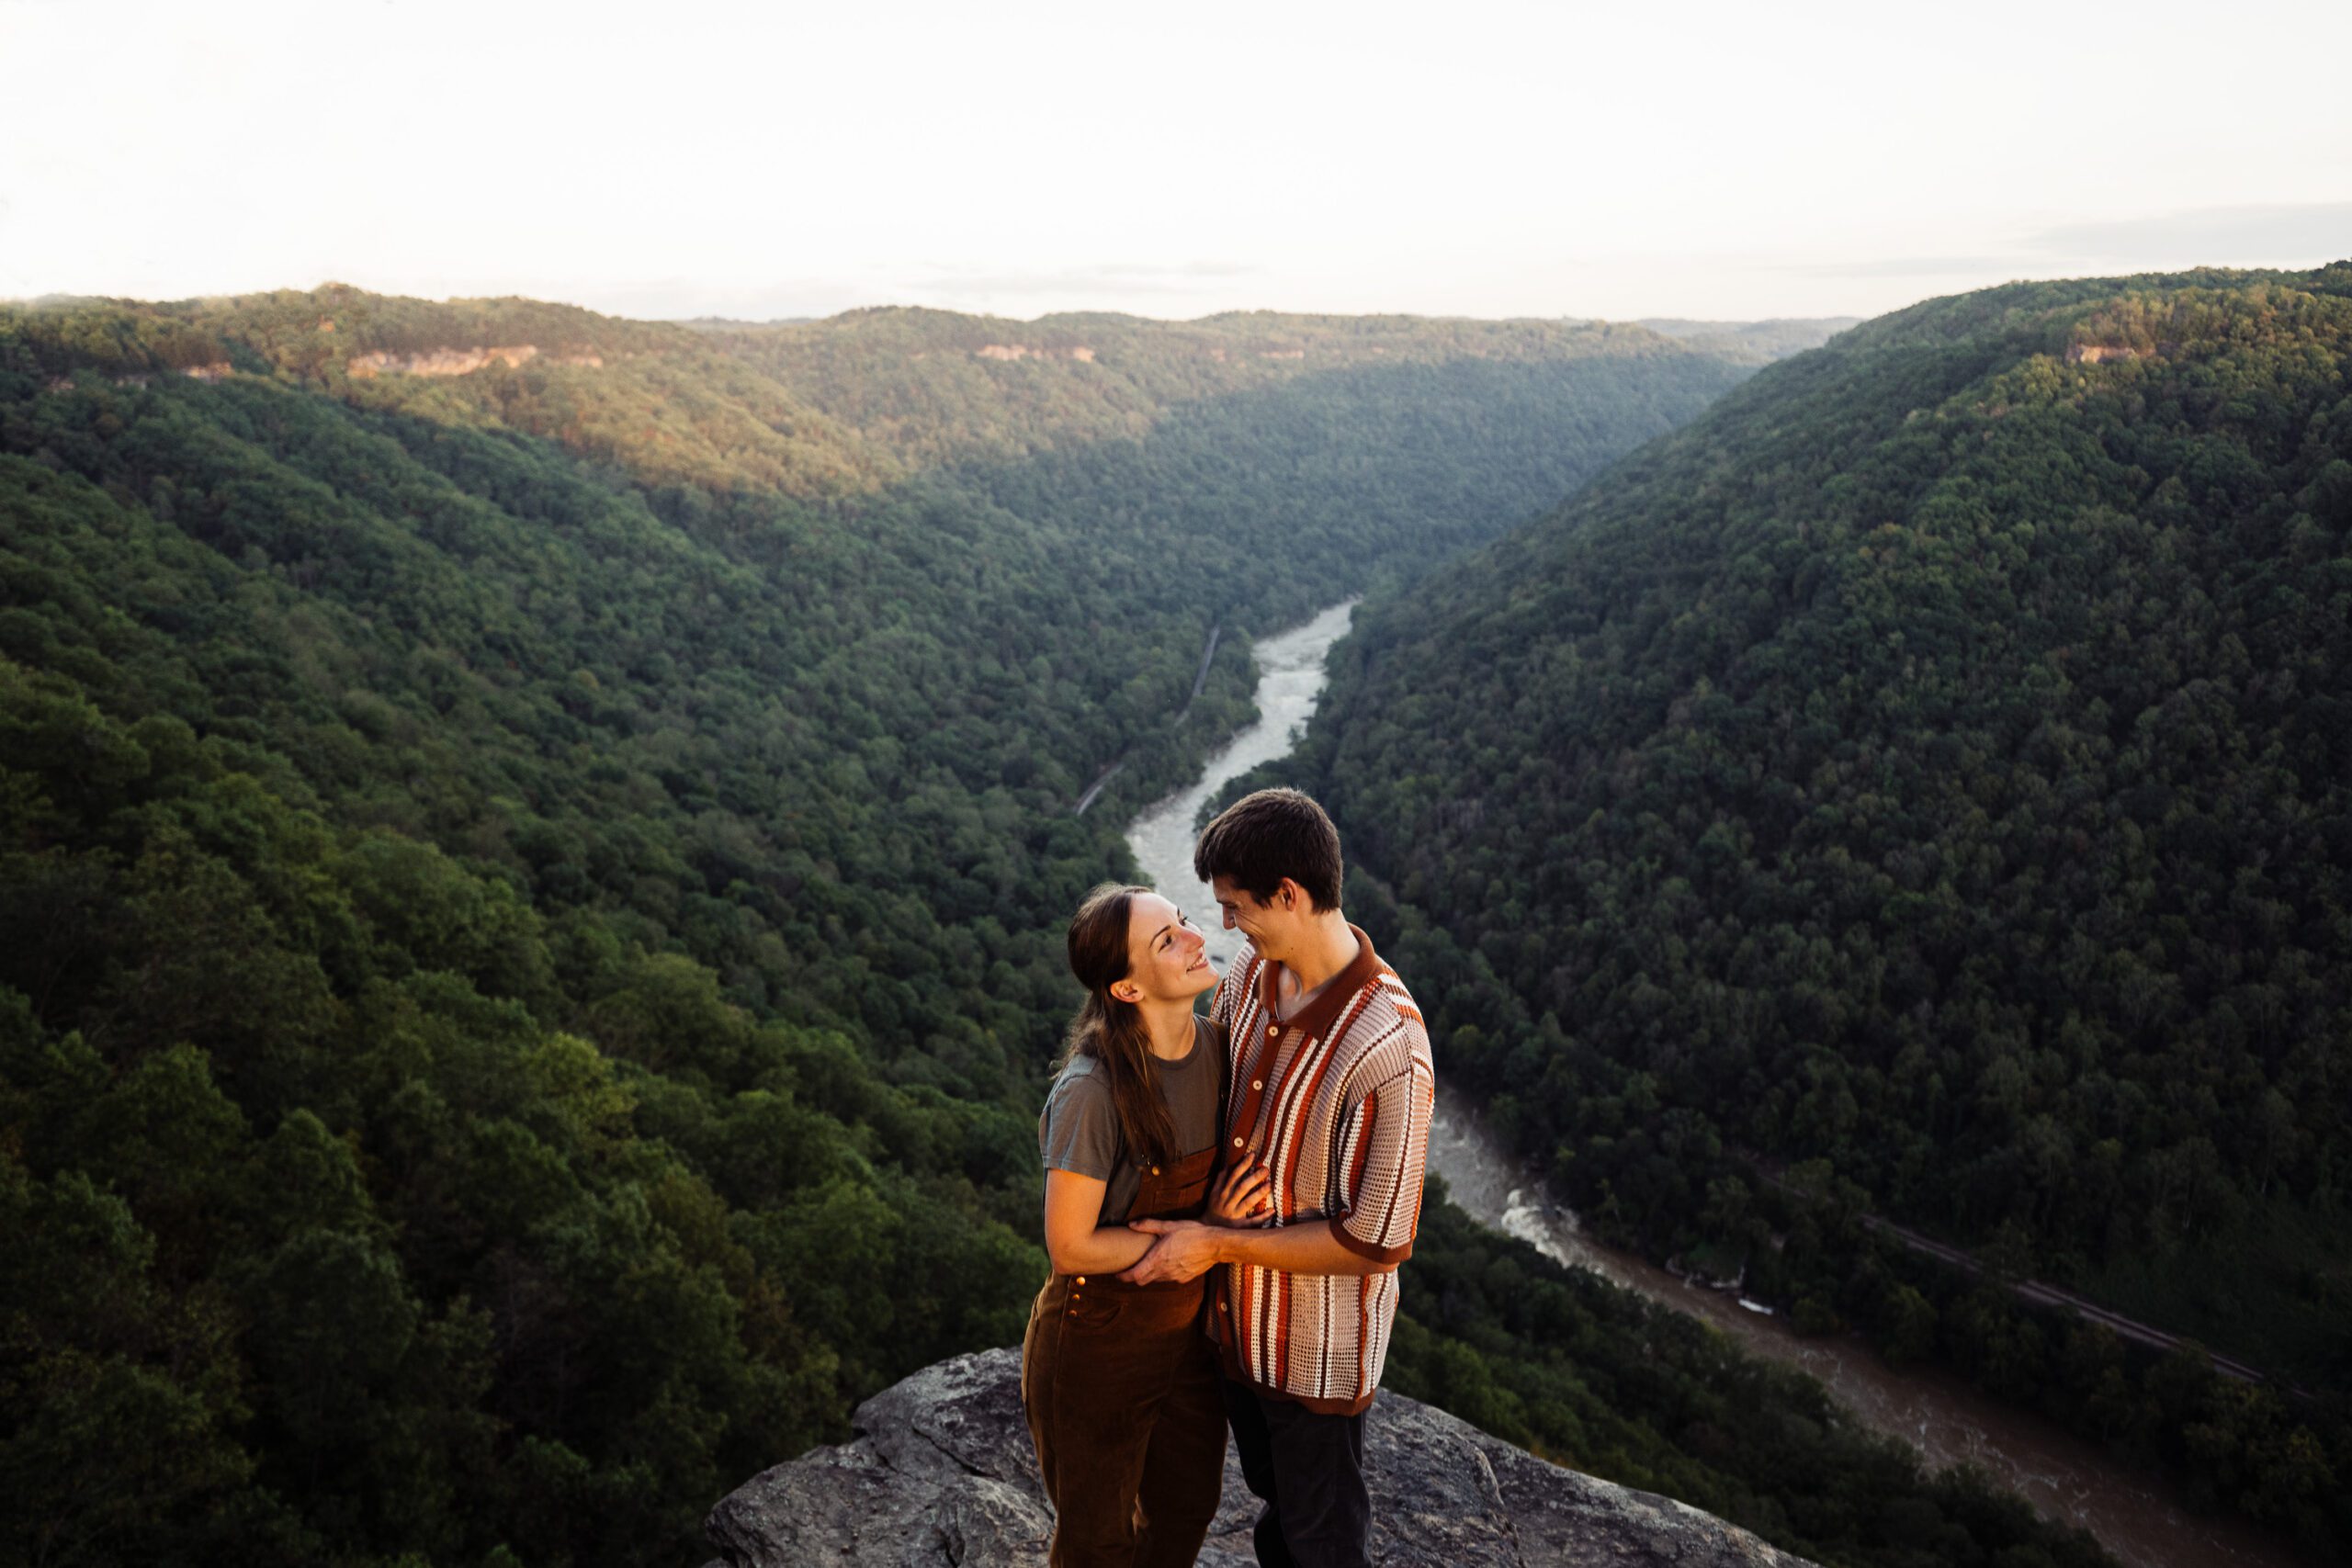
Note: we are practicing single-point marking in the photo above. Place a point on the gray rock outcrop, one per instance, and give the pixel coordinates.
(941, 1472)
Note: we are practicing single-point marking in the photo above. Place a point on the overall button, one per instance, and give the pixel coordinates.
(1237, 1143)
(1081, 1279)
(1257, 1083)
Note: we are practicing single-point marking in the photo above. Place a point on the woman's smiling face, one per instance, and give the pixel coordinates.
(1167, 958)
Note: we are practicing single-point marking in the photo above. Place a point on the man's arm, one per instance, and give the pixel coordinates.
(1186, 1249)
(1077, 1245)
(1391, 1124)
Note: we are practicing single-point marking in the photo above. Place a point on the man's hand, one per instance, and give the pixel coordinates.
(1186, 1250)
(1243, 1198)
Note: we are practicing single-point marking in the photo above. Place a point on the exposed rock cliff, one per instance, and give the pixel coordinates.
(1024, 351)
(458, 361)
(941, 1472)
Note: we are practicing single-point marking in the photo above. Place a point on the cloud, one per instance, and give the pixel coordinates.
(2271, 234)
(1903, 266)
(1102, 278)
(2278, 233)
(941, 284)
(681, 299)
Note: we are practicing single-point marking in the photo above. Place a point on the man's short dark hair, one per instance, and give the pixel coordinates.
(1264, 836)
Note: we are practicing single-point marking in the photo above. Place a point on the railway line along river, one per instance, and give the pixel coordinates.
(1943, 1417)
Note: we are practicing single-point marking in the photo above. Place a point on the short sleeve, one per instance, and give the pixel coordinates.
(1386, 1151)
(1079, 1129)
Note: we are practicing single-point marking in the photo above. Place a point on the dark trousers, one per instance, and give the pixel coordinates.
(1308, 1469)
(1120, 1387)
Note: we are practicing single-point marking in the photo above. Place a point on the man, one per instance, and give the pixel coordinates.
(1330, 1089)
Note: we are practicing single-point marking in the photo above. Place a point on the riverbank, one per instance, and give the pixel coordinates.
(1942, 1416)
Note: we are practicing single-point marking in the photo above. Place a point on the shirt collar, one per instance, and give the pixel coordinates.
(1329, 1003)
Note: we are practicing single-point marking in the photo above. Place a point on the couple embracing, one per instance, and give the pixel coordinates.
(1227, 1201)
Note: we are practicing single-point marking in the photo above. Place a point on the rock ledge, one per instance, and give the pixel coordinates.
(941, 1472)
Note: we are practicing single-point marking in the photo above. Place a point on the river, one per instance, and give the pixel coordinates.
(1945, 1419)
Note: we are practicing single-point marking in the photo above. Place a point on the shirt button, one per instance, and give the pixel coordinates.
(1081, 1279)
(1155, 1170)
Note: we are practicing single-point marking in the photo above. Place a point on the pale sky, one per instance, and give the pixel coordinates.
(1707, 159)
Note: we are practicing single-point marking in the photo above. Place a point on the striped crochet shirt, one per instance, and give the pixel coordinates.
(1335, 1102)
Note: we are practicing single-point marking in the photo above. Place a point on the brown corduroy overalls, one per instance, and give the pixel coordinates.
(1122, 1392)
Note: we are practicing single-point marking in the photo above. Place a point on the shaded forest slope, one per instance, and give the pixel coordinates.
(1194, 444)
(1929, 772)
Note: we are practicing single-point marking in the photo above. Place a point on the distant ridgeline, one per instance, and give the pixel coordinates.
(1923, 784)
(533, 851)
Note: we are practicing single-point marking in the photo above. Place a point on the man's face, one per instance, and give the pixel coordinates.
(1271, 925)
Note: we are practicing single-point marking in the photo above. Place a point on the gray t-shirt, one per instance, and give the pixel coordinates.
(1080, 1128)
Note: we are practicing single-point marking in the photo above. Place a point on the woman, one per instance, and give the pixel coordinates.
(1118, 1380)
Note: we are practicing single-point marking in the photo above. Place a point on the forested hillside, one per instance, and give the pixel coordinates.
(1195, 443)
(1756, 343)
(1923, 784)
(532, 850)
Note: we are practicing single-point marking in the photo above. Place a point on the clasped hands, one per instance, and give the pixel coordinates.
(1185, 1249)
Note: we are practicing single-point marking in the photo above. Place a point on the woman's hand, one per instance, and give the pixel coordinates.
(1181, 1250)
(1243, 1198)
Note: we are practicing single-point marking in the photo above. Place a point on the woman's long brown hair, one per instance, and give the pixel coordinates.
(1112, 1032)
